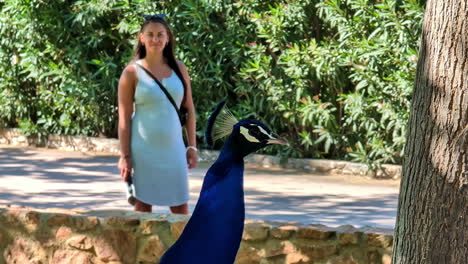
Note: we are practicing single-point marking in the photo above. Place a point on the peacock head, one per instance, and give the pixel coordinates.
(245, 136)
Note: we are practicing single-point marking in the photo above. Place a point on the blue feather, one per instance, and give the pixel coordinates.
(211, 122)
(214, 232)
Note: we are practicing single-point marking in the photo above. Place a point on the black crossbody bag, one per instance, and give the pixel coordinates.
(182, 112)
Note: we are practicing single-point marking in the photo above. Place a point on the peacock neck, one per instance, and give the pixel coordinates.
(230, 153)
(228, 160)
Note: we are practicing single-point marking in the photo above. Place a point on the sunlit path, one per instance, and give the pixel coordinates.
(48, 178)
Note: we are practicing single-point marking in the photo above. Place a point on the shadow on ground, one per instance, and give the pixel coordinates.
(46, 179)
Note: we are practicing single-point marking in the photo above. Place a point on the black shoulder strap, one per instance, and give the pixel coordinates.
(162, 88)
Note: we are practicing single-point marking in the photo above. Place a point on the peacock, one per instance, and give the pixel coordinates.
(214, 231)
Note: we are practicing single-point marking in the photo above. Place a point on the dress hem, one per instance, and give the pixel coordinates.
(162, 204)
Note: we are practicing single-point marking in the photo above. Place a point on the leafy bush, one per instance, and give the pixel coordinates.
(333, 77)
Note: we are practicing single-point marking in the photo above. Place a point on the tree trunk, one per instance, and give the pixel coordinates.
(432, 221)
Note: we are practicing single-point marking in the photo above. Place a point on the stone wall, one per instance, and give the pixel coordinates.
(30, 236)
(111, 146)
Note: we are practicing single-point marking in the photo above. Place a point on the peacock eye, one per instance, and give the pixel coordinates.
(254, 131)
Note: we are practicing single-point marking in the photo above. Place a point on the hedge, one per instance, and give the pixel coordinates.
(333, 77)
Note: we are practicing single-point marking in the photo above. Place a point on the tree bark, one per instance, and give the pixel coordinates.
(432, 220)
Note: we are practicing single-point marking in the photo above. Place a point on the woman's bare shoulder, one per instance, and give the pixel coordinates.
(129, 76)
(130, 69)
(129, 72)
(182, 67)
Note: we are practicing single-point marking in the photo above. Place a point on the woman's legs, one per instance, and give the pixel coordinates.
(142, 207)
(180, 209)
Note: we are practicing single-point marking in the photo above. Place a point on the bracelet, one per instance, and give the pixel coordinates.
(192, 147)
(125, 156)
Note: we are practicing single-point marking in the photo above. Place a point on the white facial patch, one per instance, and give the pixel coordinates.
(245, 132)
(264, 132)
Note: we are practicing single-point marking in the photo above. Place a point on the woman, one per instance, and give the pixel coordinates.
(150, 131)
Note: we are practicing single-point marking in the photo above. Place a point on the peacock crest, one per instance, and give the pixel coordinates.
(220, 123)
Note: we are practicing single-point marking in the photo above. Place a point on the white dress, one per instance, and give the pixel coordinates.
(157, 146)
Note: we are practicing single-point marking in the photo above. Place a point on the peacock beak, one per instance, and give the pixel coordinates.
(276, 140)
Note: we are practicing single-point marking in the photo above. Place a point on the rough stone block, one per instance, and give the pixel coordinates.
(152, 226)
(71, 257)
(44, 236)
(86, 223)
(32, 217)
(80, 242)
(13, 217)
(115, 245)
(63, 233)
(313, 232)
(122, 221)
(272, 249)
(255, 232)
(374, 257)
(379, 240)
(4, 240)
(18, 252)
(348, 238)
(58, 219)
(318, 251)
(151, 250)
(386, 259)
(281, 259)
(177, 228)
(283, 232)
(343, 260)
(297, 258)
(248, 255)
(24, 251)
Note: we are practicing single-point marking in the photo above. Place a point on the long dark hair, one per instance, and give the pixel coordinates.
(168, 51)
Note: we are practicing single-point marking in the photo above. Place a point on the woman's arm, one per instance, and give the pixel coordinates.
(126, 95)
(190, 126)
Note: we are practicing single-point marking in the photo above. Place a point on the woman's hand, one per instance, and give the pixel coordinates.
(125, 167)
(192, 158)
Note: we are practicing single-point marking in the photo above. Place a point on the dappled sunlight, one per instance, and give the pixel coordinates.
(54, 179)
(330, 209)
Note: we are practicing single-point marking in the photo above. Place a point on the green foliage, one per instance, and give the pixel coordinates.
(379, 48)
(333, 77)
